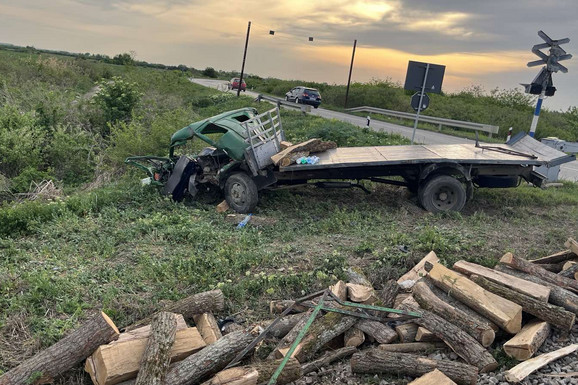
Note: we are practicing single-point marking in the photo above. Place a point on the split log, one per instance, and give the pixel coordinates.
(398, 300)
(207, 327)
(523, 370)
(376, 361)
(558, 295)
(353, 337)
(285, 343)
(283, 326)
(454, 302)
(406, 332)
(222, 207)
(311, 145)
(504, 313)
(327, 359)
(424, 335)
(120, 361)
(418, 270)
(208, 301)
(323, 330)
(285, 144)
(521, 264)
(145, 331)
(458, 340)
(570, 272)
(414, 347)
(43, 367)
(210, 360)
(552, 314)
(572, 245)
(156, 358)
(339, 290)
(532, 289)
(361, 294)
(355, 275)
(279, 306)
(388, 293)
(258, 373)
(558, 257)
(435, 377)
(382, 333)
(483, 333)
(527, 342)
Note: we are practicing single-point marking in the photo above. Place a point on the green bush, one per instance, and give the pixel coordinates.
(24, 182)
(117, 98)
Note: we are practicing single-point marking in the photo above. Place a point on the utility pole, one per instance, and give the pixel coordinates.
(350, 70)
(244, 57)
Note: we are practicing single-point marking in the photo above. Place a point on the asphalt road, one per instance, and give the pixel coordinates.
(568, 171)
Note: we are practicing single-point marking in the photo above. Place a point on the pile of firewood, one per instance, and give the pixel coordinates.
(467, 309)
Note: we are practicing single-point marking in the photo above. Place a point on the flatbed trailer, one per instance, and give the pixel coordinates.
(240, 164)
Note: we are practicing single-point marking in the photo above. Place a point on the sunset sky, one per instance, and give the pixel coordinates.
(483, 43)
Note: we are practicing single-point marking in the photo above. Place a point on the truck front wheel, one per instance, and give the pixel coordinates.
(241, 193)
(442, 193)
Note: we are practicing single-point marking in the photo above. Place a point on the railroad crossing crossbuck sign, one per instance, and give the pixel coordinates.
(542, 84)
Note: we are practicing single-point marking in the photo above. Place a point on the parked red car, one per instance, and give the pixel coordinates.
(234, 85)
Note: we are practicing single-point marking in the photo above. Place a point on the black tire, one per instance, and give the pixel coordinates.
(297, 99)
(241, 193)
(442, 193)
(286, 98)
(317, 106)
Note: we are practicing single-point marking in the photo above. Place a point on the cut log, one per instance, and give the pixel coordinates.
(353, 337)
(568, 264)
(424, 335)
(207, 327)
(558, 257)
(447, 298)
(552, 314)
(355, 275)
(381, 332)
(572, 245)
(156, 358)
(483, 333)
(523, 370)
(458, 340)
(323, 330)
(526, 287)
(553, 267)
(311, 145)
(375, 361)
(145, 331)
(339, 290)
(435, 377)
(399, 298)
(503, 312)
(210, 360)
(406, 332)
(327, 359)
(570, 272)
(43, 367)
(283, 326)
(117, 362)
(534, 269)
(558, 296)
(285, 343)
(231, 327)
(222, 207)
(388, 293)
(279, 306)
(527, 342)
(361, 294)
(418, 270)
(292, 158)
(257, 373)
(414, 347)
(208, 301)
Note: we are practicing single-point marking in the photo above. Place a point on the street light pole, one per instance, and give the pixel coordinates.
(350, 70)
(244, 57)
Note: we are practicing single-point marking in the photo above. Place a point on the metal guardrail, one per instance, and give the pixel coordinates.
(430, 119)
(281, 102)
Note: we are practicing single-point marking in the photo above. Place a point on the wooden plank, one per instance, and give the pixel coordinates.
(572, 245)
(532, 289)
(114, 363)
(505, 313)
(419, 269)
(207, 327)
(523, 370)
(145, 331)
(435, 377)
(525, 344)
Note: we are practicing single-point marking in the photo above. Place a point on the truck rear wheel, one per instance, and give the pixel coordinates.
(241, 193)
(442, 193)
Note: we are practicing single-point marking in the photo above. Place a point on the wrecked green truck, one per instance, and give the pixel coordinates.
(237, 163)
